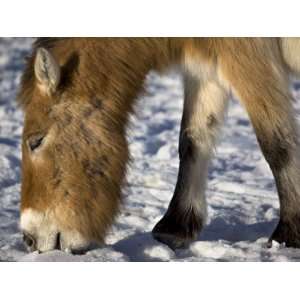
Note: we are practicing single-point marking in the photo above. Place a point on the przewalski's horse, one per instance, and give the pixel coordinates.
(77, 94)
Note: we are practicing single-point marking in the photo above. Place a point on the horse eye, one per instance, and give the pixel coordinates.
(35, 142)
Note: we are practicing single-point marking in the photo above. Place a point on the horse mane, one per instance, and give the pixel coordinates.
(127, 60)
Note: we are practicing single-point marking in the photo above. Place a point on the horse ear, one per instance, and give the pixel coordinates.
(47, 71)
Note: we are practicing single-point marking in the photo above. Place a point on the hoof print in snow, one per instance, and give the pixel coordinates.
(177, 235)
(287, 233)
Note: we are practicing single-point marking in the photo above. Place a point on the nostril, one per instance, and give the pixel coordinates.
(58, 243)
(29, 240)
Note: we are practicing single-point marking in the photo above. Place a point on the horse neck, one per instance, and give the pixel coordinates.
(115, 69)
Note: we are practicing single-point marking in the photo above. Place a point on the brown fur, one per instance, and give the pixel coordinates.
(85, 165)
(92, 102)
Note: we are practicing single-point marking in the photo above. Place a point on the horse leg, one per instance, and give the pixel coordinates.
(205, 102)
(261, 82)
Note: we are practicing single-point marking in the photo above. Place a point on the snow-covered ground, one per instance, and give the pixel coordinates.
(243, 205)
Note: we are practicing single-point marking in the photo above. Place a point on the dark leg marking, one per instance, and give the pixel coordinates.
(287, 232)
(276, 150)
(282, 155)
(182, 222)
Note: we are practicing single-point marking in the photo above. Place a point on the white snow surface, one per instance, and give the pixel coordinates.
(242, 199)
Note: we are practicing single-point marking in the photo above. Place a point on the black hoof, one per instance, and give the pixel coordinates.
(287, 233)
(177, 233)
(172, 241)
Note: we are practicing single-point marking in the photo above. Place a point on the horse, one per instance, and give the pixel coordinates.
(77, 95)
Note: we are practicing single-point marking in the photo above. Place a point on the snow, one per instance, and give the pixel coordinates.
(243, 204)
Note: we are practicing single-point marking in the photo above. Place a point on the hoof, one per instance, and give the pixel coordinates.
(177, 233)
(287, 233)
